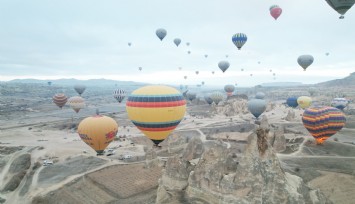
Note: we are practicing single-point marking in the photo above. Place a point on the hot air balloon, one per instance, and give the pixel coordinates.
(60, 99)
(217, 97)
(212, 72)
(129, 44)
(339, 103)
(180, 68)
(161, 33)
(140, 68)
(197, 72)
(304, 101)
(270, 70)
(292, 102)
(76, 103)
(49, 83)
(206, 56)
(239, 39)
(327, 54)
(203, 83)
(156, 110)
(275, 12)
(323, 122)
(189, 52)
(223, 65)
(341, 6)
(251, 74)
(226, 56)
(242, 70)
(260, 95)
(188, 44)
(229, 89)
(185, 77)
(119, 95)
(208, 99)
(97, 132)
(273, 6)
(256, 107)
(177, 41)
(191, 96)
(79, 88)
(312, 91)
(305, 60)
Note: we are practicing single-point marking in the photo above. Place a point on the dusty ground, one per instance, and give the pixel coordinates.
(79, 176)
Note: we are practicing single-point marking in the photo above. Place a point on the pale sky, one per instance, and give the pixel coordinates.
(87, 39)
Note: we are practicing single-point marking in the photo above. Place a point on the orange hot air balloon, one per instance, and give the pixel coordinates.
(76, 103)
(97, 132)
(60, 99)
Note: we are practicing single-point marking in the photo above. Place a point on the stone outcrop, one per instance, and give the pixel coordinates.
(290, 115)
(231, 107)
(219, 175)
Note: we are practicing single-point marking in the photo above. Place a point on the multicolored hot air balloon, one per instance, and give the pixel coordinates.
(239, 39)
(60, 99)
(304, 101)
(292, 102)
(223, 65)
(156, 110)
(161, 33)
(217, 97)
(76, 103)
(305, 60)
(79, 88)
(341, 6)
(256, 107)
(119, 95)
(275, 12)
(260, 95)
(97, 132)
(229, 89)
(323, 122)
(339, 103)
(177, 41)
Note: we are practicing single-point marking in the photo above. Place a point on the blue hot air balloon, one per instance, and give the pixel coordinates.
(292, 102)
(239, 39)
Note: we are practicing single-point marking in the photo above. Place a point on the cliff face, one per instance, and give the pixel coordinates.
(211, 173)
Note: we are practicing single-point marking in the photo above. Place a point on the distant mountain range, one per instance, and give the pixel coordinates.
(71, 82)
(282, 84)
(347, 81)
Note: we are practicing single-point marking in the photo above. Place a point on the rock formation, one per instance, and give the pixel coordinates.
(211, 173)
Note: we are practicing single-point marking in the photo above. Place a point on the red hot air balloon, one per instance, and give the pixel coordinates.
(275, 12)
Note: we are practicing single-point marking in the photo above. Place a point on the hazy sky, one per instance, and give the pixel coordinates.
(88, 39)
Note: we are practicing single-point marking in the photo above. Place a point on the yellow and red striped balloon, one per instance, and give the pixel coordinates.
(323, 122)
(156, 110)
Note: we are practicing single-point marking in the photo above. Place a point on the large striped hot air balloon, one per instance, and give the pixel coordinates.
(119, 95)
(304, 101)
(239, 39)
(97, 132)
(156, 110)
(217, 97)
(76, 103)
(323, 122)
(60, 99)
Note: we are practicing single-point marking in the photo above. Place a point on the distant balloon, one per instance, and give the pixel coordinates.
(256, 107)
(305, 60)
(49, 83)
(129, 44)
(191, 96)
(177, 41)
(312, 91)
(251, 74)
(203, 83)
(273, 6)
(217, 97)
(304, 101)
(79, 88)
(180, 68)
(188, 44)
(161, 33)
(327, 54)
(239, 39)
(140, 68)
(323, 122)
(156, 110)
(229, 89)
(223, 65)
(260, 95)
(206, 56)
(242, 70)
(275, 12)
(76, 103)
(98, 132)
(185, 77)
(60, 99)
(273, 74)
(226, 56)
(119, 95)
(339, 103)
(341, 6)
(270, 70)
(197, 72)
(292, 102)
(189, 52)
(208, 99)
(212, 72)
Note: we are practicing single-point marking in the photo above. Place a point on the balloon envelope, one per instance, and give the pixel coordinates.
(239, 39)
(177, 41)
(276, 12)
(156, 110)
(119, 95)
(191, 96)
(339, 103)
(304, 101)
(76, 103)
(229, 89)
(79, 88)
(256, 107)
(260, 95)
(208, 99)
(98, 131)
(341, 6)
(305, 60)
(161, 33)
(60, 99)
(323, 122)
(223, 65)
(292, 102)
(217, 97)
